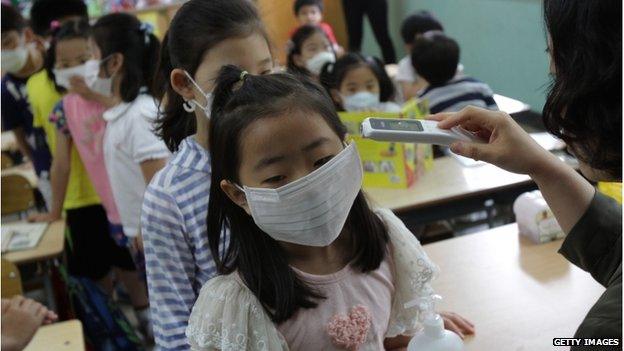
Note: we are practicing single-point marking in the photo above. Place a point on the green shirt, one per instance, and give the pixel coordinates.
(595, 245)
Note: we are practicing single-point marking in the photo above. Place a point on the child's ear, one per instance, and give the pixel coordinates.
(181, 84)
(235, 194)
(336, 96)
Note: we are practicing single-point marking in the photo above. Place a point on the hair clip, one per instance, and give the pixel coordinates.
(55, 25)
(146, 29)
(243, 75)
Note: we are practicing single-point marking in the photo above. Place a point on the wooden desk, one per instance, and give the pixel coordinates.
(509, 105)
(519, 295)
(50, 246)
(26, 170)
(447, 181)
(63, 336)
(8, 141)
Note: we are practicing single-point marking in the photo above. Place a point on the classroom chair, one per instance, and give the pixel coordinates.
(11, 280)
(17, 194)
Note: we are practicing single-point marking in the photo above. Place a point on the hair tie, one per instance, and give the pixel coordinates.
(146, 29)
(55, 25)
(243, 74)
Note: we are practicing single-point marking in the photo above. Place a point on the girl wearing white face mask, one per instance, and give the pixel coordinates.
(309, 51)
(309, 265)
(359, 83)
(203, 36)
(98, 244)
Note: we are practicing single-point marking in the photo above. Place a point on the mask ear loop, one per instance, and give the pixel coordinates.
(188, 106)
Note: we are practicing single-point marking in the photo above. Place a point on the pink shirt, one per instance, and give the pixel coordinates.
(84, 121)
(355, 314)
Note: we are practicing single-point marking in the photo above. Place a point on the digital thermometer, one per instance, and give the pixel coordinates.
(414, 131)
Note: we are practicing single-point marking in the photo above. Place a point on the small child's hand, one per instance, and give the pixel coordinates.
(80, 87)
(457, 324)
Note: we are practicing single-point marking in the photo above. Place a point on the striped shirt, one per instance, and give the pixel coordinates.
(177, 254)
(458, 93)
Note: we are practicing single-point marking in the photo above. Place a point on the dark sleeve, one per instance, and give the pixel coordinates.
(58, 118)
(595, 242)
(10, 112)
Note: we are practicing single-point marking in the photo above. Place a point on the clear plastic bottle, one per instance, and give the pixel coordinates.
(433, 336)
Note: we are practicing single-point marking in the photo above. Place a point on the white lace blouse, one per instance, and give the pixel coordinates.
(227, 316)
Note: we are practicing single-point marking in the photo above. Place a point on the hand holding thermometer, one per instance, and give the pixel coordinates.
(414, 131)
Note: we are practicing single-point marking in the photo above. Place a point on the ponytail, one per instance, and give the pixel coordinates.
(173, 123)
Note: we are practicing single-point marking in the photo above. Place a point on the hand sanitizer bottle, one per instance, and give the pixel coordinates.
(433, 336)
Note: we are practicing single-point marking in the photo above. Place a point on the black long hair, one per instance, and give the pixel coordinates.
(295, 44)
(584, 104)
(124, 34)
(332, 75)
(69, 30)
(197, 27)
(260, 260)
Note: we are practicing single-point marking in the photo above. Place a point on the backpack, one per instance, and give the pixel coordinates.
(105, 326)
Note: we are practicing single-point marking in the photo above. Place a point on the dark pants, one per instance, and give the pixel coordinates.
(377, 12)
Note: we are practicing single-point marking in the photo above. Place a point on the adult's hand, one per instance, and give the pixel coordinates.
(507, 145)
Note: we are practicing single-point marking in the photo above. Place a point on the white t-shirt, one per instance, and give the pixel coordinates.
(129, 140)
(407, 73)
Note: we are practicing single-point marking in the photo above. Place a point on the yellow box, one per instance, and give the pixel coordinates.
(386, 165)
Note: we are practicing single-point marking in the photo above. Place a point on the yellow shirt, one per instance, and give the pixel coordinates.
(42, 97)
(612, 189)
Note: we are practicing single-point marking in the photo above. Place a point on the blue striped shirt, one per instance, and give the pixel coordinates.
(458, 93)
(177, 254)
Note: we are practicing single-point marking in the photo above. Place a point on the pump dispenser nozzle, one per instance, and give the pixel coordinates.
(433, 337)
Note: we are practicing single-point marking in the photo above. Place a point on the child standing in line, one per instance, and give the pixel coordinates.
(310, 12)
(203, 36)
(435, 57)
(309, 265)
(127, 52)
(98, 245)
(22, 56)
(359, 83)
(310, 50)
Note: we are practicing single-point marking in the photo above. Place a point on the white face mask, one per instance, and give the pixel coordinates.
(311, 210)
(208, 96)
(62, 76)
(103, 86)
(316, 63)
(13, 61)
(360, 101)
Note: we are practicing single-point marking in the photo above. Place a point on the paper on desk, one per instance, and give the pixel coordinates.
(548, 141)
(21, 236)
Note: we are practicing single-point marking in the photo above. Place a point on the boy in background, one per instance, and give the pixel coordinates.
(412, 26)
(22, 57)
(435, 58)
(310, 12)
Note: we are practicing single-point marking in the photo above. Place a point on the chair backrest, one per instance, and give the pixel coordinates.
(6, 161)
(17, 194)
(11, 280)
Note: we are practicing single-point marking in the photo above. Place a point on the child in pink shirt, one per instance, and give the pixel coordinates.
(309, 264)
(100, 246)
